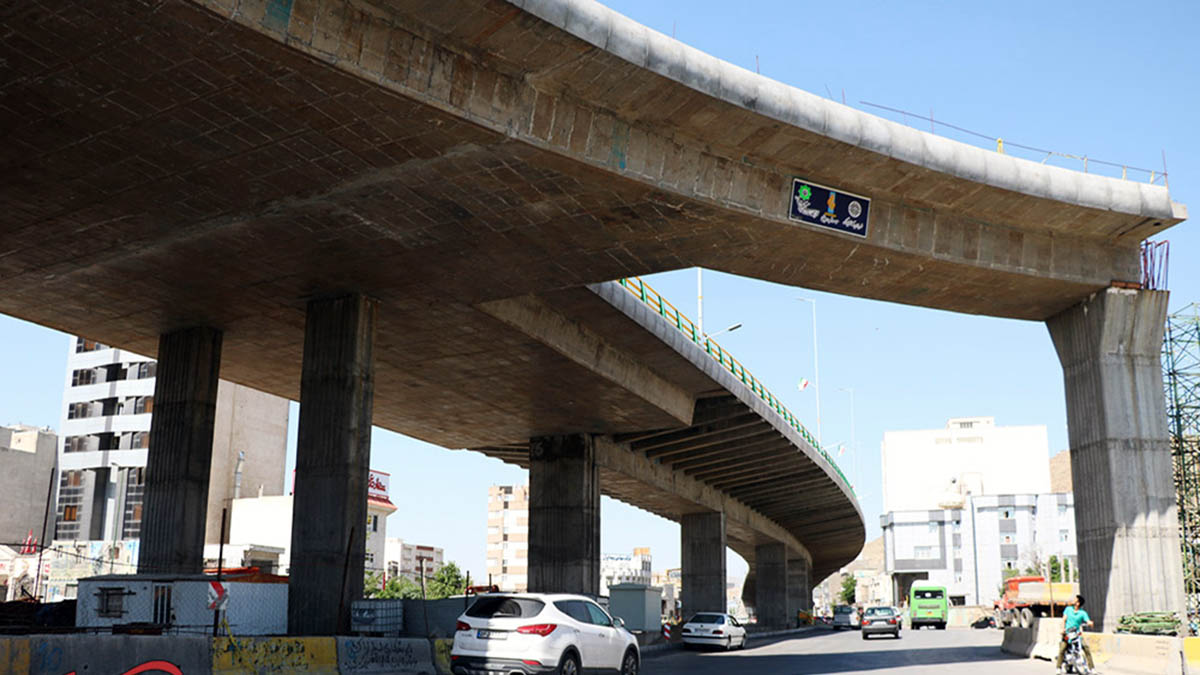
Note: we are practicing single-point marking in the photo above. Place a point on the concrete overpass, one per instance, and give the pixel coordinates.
(225, 182)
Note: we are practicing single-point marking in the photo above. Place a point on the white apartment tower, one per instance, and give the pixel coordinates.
(108, 400)
(508, 537)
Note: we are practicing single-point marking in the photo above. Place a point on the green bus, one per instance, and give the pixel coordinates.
(927, 606)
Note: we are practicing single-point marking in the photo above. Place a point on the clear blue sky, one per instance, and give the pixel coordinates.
(1113, 82)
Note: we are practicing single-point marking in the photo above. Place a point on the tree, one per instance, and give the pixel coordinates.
(395, 588)
(849, 586)
(447, 582)
(1055, 569)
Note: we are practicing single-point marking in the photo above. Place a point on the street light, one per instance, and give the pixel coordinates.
(816, 364)
(730, 329)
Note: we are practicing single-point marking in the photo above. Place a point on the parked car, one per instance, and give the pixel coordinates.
(880, 620)
(532, 633)
(844, 616)
(717, 630)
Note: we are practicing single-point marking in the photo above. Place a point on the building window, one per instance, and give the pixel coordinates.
(83, 376)
(957, 526)
(1064, 535)
(1009, 564)
(143, 404)
(933, 528)
(1006, 513)
(141, 439)
(145, 370)
(70, 514)
(162, 604)
(111, 602)
(135, 486)
(1008, 539)
(1062, 509)
(924, 552)
(85, 345)
(965, 425)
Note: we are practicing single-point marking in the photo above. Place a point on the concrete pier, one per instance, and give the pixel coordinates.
(770, 590)
(333, 454)
(1125, 510)
(702, 551)
(564, 515)
(799, 586)
(180, 454)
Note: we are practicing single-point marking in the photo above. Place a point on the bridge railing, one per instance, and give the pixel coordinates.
(671, 314)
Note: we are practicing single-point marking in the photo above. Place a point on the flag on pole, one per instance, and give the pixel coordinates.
(841, 449)
(29, 546)
(803, 384)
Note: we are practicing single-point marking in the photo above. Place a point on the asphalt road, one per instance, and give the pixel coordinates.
(824, 651)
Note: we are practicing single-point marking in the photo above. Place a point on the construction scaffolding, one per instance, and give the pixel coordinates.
(1181, 377)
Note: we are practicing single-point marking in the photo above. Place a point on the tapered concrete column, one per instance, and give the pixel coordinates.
(799, 586)
(180, 455)
(333, 455)
(703, 561)
(1125, 514)
(564, 515)
(770, 590)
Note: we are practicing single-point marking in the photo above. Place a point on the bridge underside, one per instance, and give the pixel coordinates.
(470, 167)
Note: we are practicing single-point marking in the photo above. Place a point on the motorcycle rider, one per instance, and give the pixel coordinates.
(1074, 619)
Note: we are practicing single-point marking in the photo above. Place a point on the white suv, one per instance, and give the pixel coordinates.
(527, 633)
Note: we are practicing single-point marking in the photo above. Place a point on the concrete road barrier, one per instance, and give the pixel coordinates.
(397, 656)
(254, 655)
(1113, 653)
(1018, 641)
(58, 654)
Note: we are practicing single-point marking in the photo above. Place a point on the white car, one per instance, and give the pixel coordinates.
(527, 633)
(845, 616)
(711, 628)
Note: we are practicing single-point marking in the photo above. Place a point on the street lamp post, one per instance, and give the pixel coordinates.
(816, 364)
(728, 329)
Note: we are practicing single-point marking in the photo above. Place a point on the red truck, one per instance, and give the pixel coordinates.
(1028, 597)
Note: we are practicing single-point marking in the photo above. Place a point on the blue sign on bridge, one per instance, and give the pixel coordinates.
(826, 207)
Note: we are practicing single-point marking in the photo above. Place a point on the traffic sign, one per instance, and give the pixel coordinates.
(829, 208)
(218, 595)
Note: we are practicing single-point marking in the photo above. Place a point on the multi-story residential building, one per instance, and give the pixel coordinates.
(971, 546)
(625, 569)
(403, 558)
(508, 537)
(108, 402)
(969, 503)
(973, 451)
(27, 458)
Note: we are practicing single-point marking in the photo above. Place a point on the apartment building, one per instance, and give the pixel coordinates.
(508, 537)
(403, 558)
(108, 402)
(625, 569)
(966, 504)
(971, 547)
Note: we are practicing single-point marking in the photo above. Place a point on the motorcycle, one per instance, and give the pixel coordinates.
(1074, 660)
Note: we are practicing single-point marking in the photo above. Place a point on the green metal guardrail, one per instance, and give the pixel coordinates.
(641, 290)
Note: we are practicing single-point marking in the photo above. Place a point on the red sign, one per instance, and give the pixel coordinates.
(377, 484)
